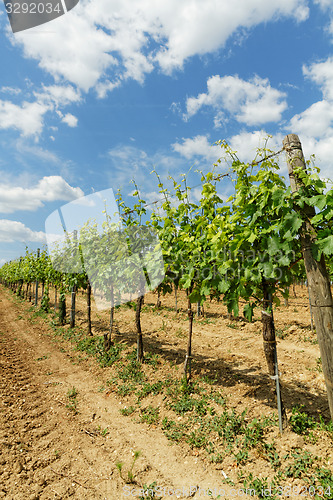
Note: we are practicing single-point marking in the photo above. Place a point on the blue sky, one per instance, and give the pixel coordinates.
(114, 89)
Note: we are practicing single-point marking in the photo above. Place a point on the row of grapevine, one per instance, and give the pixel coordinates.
(247, 247)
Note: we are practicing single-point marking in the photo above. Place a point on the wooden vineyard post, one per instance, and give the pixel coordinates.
(89, 307)
(36, 289)
(311, 312)
(270, 351)
(108, 336)
(55, 299)
(187, 364)
(139, 302)
(317, 275)
(72, 311)
(73, 294)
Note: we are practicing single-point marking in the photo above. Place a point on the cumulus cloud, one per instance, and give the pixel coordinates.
(52, 188)
(198, 146)
(253, 102)
(247, 143)
(315, 121)
(27, 118)
(315, 124)
(129, 39)
(70, 119)
(58, 95)
(11, 231)
(322, 74)
(322, 148)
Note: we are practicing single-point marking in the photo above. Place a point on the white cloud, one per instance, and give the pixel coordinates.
(70, 119)
(27, 118)
(126, 39)
(252, 102)
(322, 74)
(327, 5)
(11, 231)
(315, 124)
(197, 146)
(246, 144)
(322, 148)
(43, 154)
(59, 95)
(315, 121)
(52, 188)
(10, 90)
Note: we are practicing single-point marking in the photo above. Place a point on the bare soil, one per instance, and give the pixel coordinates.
(58, 444)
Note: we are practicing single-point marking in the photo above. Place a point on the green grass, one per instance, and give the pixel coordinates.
(149, 415)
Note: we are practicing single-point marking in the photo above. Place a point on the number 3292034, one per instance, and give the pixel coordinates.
(33, 8)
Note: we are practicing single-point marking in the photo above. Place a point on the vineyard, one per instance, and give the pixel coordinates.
(227, 364)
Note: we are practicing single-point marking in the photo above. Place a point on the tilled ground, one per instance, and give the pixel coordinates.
(48, 451)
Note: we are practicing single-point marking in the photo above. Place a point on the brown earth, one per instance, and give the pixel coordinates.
(56, 446)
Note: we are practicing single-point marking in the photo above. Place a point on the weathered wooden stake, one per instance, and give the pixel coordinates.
(270, 350)
(317, 275)
(36, 289)
(311, 311)
(138, 328)
(89, 308)
(187, 364)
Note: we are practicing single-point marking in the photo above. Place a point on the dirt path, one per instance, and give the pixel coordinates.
(49, 451)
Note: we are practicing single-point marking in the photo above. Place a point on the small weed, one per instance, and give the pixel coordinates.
(242, 457)
(232, 325)
(319, 365)
(253, 434)
(312, 340)
(72, 393)
(149, 492)
(72, 404)
(42, 357)
(271, 455)
(126, 389)
(281, 333)
(197, 439)
(299, 467)
(261, 488)
(217, 458)
(151, 359)
(147, 389)
(325, 479)
(184, 404)
(127, 411)
(130, 475)
(218, 398)
(150, 415)
(209, 380)
(180, 334)
(172, 430)
(132, 371)
(301, 422)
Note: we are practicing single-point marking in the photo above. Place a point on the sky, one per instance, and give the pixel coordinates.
(115, 89)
